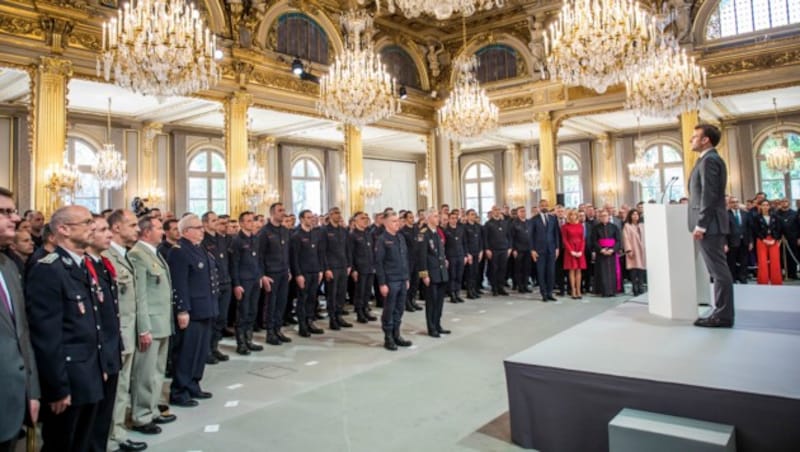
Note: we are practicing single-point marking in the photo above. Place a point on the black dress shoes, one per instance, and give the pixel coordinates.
(552, 298)
(434, 334)
(163, 409)
(129, 445)
(242, 349)
(147, 429)
(313, 329)
(714, 322)
(443, 331)
(202, 395)
(344, 323)
(219, 355)
(502, 292)
(282, 337)
(164, 419)
(188, 403)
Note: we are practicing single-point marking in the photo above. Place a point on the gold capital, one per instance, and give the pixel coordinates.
(56, 32)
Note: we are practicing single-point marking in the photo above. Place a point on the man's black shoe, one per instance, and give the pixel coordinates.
(272, 338)
(371, 317)
(552, 298)
(434, 334)
(713, 322)
(147, 429)
(502, 292)
(243, 349)
(211, 360)
(164, 419)
(401, 342)
(220, 356)
(188, 403)
(443, 331)
(253, 347)
(202, 395)
(282, 337)
(130, 446)
(313, 329)
(344, 323)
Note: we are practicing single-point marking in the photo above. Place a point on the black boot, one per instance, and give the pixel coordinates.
(361, 316)
(334, 323)
(241, 344)
(369, 316)
(388, 342)
(409, 306)
(453, 298)
(343, 323)
(272, 338)
(282, 337)
(313, 329)
(398, 339)
(218, 354)
(458, 297)
(252, 346)
(303, 329)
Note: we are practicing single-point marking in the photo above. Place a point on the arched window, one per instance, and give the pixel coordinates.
(479, 189)
(569, 179)
(736, 17)
(306, 186)
(669, 164)
(496, 62)
(207, 182)
(83, 155)
(300, 36)
(399, 63)
(778, 185)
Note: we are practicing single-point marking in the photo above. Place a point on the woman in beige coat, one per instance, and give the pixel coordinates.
(635, 259)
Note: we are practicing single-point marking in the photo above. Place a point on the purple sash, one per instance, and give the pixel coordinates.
(610, 243)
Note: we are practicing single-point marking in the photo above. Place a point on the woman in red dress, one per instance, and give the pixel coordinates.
(574, 259)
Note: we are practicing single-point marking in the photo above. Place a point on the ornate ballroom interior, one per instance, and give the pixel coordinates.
(257, 131)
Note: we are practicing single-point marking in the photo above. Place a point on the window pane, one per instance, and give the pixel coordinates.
(651, 154)
(471, 190)
(761, 14)
(84, 155)
(485, 172)
(472, 172)
(766, 173)
(298, 168)
(671, 154)
(568, 163)
(727, 18)
(218, 189)
(93, 204)
(312, 170)
(649, 192)
(773, 188)
(90, 188)
(676, 189)
(796, 188)
(217, 163)
(487, 189)
(198, 206)
(198, 188)
(744, 18)
(572, 199)
(199, 162)
(220, 206)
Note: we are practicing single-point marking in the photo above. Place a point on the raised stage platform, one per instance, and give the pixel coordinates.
(563, 391)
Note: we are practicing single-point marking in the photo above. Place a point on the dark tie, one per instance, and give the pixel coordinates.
(738, 219)
(7, 302)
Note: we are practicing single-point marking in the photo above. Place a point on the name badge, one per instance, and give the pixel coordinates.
(200, 265)
(81, 308)
(222, 255)
(254, 254)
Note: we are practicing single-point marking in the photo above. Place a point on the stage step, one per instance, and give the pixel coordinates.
(637, 431)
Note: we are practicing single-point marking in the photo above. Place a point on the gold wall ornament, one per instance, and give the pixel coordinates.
(763, 61)
(56, 33)
(440, 9)
(513, 103)
(20, 26)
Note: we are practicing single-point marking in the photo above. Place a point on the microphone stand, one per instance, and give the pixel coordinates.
(668, 187)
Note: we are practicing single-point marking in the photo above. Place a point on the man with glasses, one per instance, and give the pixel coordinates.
(66, 334)
(20, 383)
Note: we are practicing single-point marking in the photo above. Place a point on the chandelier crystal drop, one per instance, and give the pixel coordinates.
(779, 158)
(160, 48)
(371, 189)
(597, 43)
(110, 168)
(357, 89)
(533, 178)
(667, 84)
(441, 9)
(63, 181)
(641, 169)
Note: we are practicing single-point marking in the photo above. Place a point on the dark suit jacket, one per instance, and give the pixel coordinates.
(761, 229)
(740, 233)
(707, 194)
(545, 239)
(192, 271)
(18, 374)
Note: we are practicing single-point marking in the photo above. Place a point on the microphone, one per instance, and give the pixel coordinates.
(669, 185)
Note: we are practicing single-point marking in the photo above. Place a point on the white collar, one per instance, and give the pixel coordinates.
(119, 248)
(75, 256)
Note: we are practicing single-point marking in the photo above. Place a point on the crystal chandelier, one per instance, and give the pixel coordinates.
(424, 186)
(63, 181)
(371, 189)
(110, 168)
(255, 189)
(596, 43)
(515, 197)
(154, 196)
(467, 114)
(667, 84)
(641, 169)
(441, 9)
(533, 178)
(779, 158)
(159, 47)
(357, 89)
(607, 190)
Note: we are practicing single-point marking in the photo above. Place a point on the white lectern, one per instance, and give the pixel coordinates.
(677, 279)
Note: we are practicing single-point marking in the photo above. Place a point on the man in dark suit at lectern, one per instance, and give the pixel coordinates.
(708, 221)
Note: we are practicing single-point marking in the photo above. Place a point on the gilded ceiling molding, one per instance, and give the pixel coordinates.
(216, 16)
(20, 26)
(764, 61)
(412, 49)
(482, 40)
(313, 10)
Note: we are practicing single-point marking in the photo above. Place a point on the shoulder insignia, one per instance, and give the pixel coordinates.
(49, 259)
(423, 229)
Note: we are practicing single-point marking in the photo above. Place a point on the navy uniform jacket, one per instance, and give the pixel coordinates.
(455, 242)
(521, 235)
(410, 236)
(108, 310)
(218, 246)
(391, 258)
(496, 235)
(63, 319)
(304, 252)
(333, 246)
(194, 284)
(246, 264)
(430, 256)
(273, 248)
(474, 238)
(362, 251)
(164, 249)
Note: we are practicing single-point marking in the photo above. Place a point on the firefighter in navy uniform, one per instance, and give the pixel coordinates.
(336, 266)
(273, 249)
(456, 253)
(217, 246)
(432, 266)
(521, 247)
(195, 286)
(306, 265)
(246, 273)
(66, 333)
(362, 264)
(497, 240)
(410, 231)
(474, 245)
(391, 273)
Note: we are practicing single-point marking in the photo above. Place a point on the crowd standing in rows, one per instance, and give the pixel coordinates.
(99, 309)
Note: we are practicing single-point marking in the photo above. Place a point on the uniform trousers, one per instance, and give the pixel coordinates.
(737, 262)
(498, 263)
(122, 401)
(147, 382)
(363, 286)
(189, 361)
(224, 301)
(455, 272)
(472, 273)
(769, 262)
(522, 268)
(70, 431)
(336, 292)
(413, 285)
(246, 308)
(9, 446)
(434, 303)
(307, 298)
(393, 307)
(276, 302)
(105, 412)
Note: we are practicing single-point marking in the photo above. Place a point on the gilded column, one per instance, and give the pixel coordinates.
(607, 187)
(455, 153)
(354, 167)
(49, 127)
(547, 156)
(430, 166)
(688, 121)
(236, 148)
